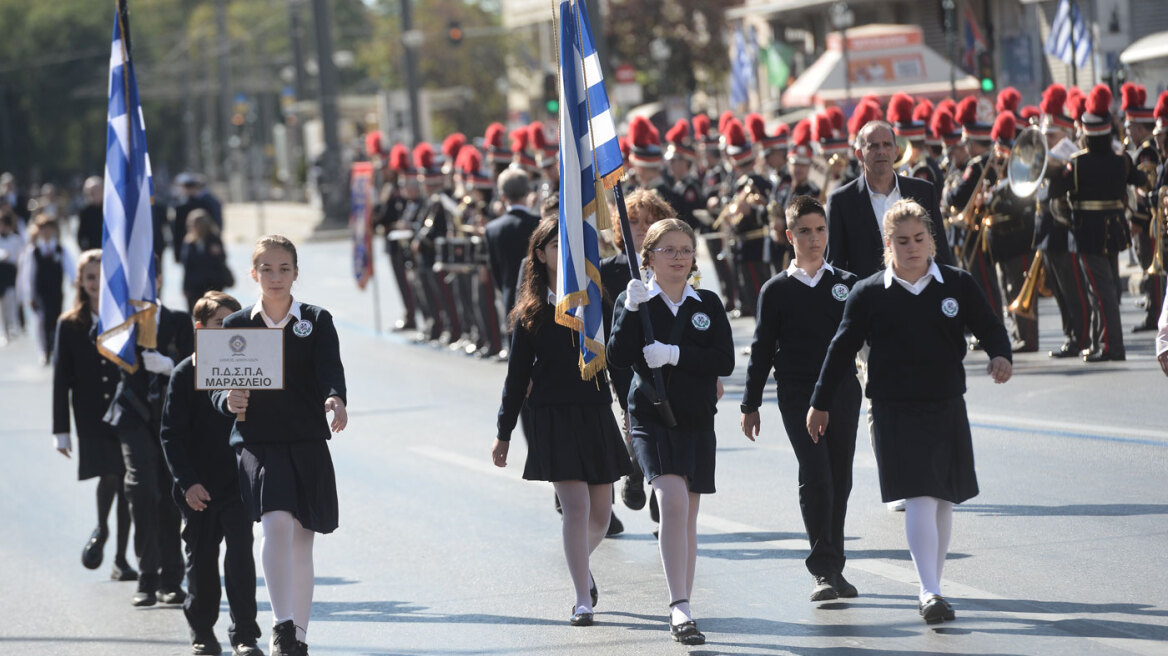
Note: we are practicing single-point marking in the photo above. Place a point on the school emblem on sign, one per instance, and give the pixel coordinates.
(302, 328)
(949, 307)
(237, 344)
(701, 321)
(840, 291)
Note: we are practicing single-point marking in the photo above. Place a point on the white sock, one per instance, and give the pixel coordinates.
(673, 499)
(286, 556)
(920, 527)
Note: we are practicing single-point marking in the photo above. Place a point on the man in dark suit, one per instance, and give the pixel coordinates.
(855, 239)
(507, 235)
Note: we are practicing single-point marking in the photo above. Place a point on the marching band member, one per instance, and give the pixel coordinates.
(698, 347)
(285, 470)
(547, 160)
(686, 187)
(798, 312)
(1139, 122)
(476, 196)
(399, 214)
(1096, 180)
(914, 317)
(748, 222)
(574, 442)
(1009, 238)
(436, 223)
(1052, 234)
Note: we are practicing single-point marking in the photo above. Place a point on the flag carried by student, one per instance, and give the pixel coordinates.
(590, 163)
(1068, 22)
(128, 302)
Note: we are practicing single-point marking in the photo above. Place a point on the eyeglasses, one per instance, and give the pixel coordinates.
(674, 253)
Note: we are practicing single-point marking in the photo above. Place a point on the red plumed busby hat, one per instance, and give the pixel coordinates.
(1135, 98)
(399, 159)
(823, 133)
(1030, 114)
(678, 139)
(425, 164)
(375, 144)
(943, 128)
(644, 142)
(1054, 99)
(737, 148)
(1161, 113)
(544, 150)
(800, 152)
(1008, 100)
(520, 156)
(493, 144)
(470, 165)
(837, 120)
(1004, 130)
(451, 145)
(900, 115)
(971, 127)
(865, 113)
(1096, 116)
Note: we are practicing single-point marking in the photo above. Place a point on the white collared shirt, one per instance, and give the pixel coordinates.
(914, 288)
(806, 278)
(881, 202)
(293, 311)
(655, 289)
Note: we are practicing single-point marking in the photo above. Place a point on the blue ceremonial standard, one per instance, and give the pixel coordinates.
(239, 358)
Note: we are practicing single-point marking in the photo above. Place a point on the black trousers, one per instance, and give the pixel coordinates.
(1103, 299)
(825, 469)
(1011, 275)
(1152, 287)
(723, 261)
(751, 276)
(1065, 280)
(224, 520)
(487, 310)
(399, 255)
(157, 522)
(426, 294)
(983, 273)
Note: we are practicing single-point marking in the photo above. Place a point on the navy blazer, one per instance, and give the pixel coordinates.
(854, 242)
(507, 241)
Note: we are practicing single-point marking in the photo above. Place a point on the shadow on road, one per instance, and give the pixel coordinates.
(1073, 510)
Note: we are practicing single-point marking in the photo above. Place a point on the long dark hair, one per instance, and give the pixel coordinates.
(533, 286)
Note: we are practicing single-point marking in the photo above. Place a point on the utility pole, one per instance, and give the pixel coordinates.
(223, 67)
(332, 197)
(296, 35)
(411, 41)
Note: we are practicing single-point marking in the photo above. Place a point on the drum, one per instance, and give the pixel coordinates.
(454, 254)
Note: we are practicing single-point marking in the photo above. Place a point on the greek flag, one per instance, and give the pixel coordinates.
(128, 295)
(1058, 43)
(590, 163)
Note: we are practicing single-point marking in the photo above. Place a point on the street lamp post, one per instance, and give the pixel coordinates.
(841, 19)
(951, 43)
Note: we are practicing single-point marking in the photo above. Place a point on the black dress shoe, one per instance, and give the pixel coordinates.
(1104, 356)
(950, 615)
(171, 596)
(580, 618)
(284, 641)
(615, 527)
(633, 493)
(205, 642)
(1144, 327)
(1065, 351)
(301, 648)
(143, 598)
(93, 552)
(246, 649)
(932, 611)
(823, 589)
(123, 572)
(687, 633)
(844, 589)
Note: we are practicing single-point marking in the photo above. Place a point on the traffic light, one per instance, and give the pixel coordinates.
(454, 32)
(551, 93)
(985, 71)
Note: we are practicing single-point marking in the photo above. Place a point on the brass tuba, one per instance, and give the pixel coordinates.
(1025, 170)
(1156, 213)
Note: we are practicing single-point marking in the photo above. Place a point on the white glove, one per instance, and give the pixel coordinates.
(63, 444)
(636, 293)
(157, 363)
(658, 355)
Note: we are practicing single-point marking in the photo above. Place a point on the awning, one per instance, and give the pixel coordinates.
(1153, 46)
(882, 59)
(773, 7)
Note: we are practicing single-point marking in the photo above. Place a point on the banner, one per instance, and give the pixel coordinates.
(362, 195)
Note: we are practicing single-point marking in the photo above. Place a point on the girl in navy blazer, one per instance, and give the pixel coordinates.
(693, 347)
(574, 440)
(286, 473)
(87, 381)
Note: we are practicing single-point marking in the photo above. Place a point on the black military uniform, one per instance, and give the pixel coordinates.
(972, 249)
(1008, 242)
(1147, 160)
(1051, 237)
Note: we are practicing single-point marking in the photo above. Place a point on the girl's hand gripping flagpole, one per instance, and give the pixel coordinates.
(661, 403)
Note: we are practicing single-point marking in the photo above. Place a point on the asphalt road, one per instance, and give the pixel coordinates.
(438, 552)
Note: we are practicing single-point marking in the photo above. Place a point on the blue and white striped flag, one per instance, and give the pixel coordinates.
(590, 162)
(128, 294)
(1058, 42)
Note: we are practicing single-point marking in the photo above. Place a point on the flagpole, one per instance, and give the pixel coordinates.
(123, 23)
(1074, 54)
(661, 402)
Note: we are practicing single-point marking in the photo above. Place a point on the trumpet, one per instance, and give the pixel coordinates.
(733, 212)
(1156, 232)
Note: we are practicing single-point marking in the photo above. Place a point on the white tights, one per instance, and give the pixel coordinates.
(287, 561)
(928, 523)
(587, 509)
(678, 540)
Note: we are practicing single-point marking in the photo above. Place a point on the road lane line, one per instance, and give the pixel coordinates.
(1121, 434)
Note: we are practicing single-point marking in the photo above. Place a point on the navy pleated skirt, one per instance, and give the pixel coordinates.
(575, 443)
(924, 449)
(690, 454)
(296, 477)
